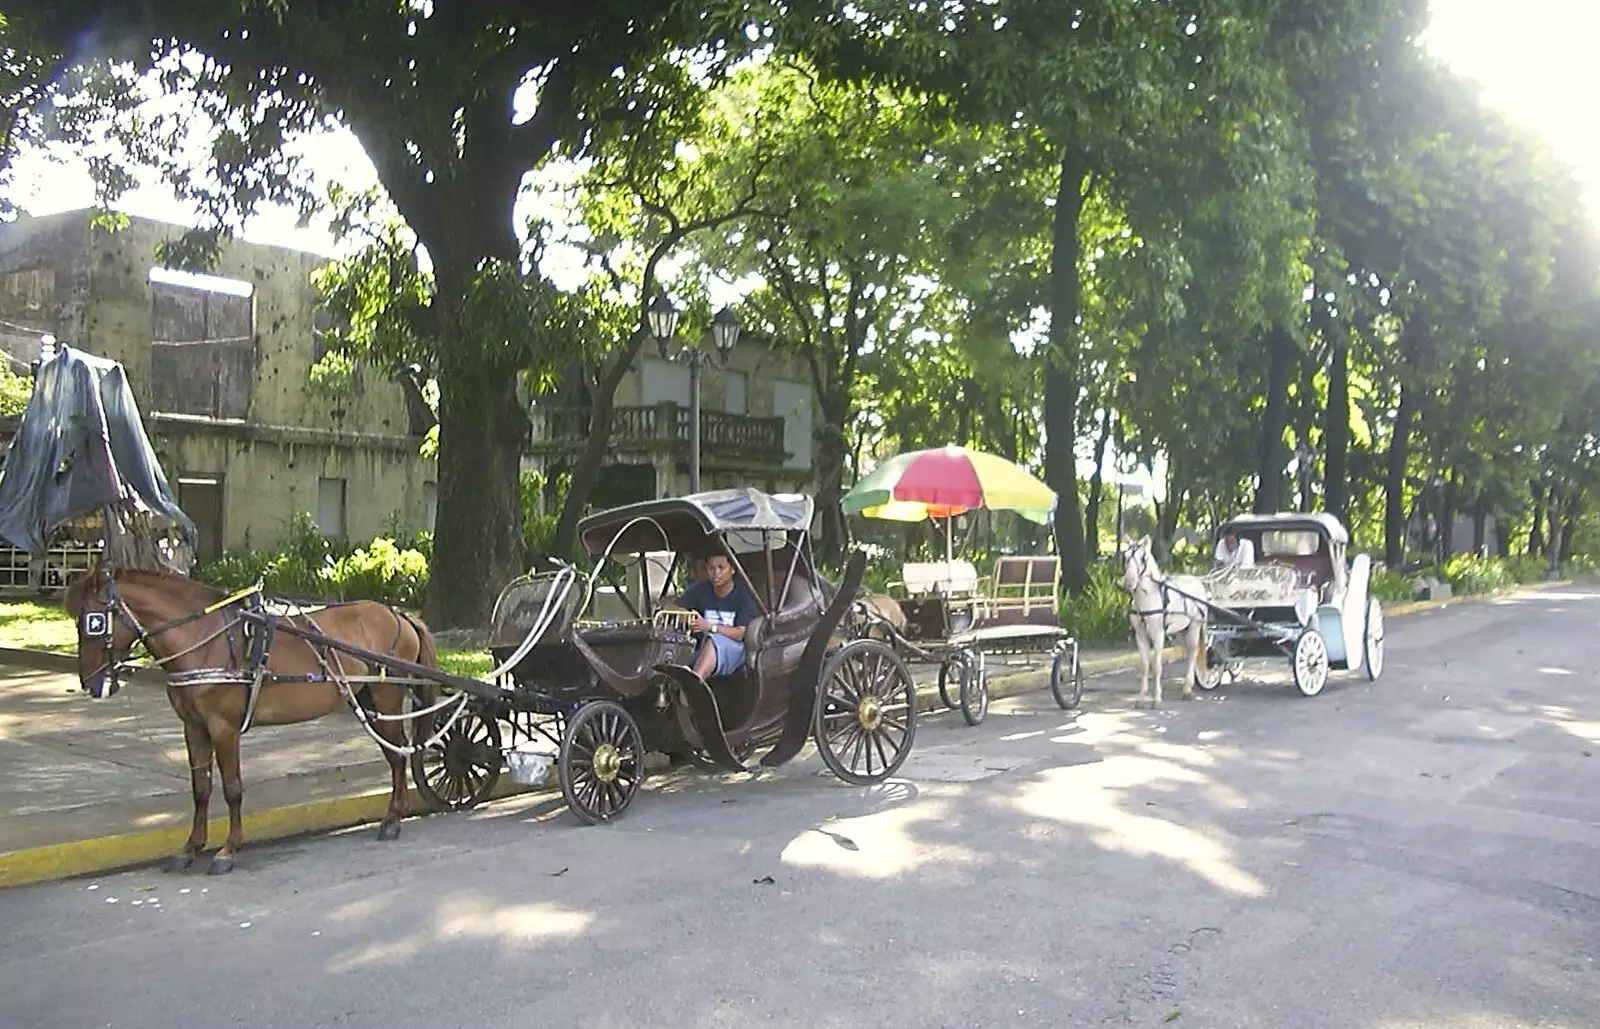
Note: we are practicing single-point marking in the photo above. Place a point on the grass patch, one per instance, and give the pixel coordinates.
(37, 627)
(474, 664)
(46, 627)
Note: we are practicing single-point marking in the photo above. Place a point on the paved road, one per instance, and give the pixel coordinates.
(1420, 852)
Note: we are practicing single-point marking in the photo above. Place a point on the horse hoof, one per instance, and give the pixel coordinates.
(389, 831)
(178, 863)
(220, 866)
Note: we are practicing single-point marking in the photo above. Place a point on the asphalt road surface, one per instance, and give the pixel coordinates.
(1420, 852)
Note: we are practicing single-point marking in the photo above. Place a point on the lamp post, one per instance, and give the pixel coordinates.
(663, 322)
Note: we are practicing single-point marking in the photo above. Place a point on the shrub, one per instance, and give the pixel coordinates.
(1099, 615)
(380, 571)
(1392, 587)
(1471, 575)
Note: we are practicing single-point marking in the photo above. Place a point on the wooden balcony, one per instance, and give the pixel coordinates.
(664, 428)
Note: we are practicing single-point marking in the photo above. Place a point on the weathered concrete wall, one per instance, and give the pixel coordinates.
(271, 460)
(269, 476)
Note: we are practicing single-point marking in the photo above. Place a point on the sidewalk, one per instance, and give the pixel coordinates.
(89, 786)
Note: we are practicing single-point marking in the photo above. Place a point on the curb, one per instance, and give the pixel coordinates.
(126, 850)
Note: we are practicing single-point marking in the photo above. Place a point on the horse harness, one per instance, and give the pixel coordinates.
(250, 633)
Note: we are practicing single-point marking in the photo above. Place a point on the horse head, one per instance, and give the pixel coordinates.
(111, 609)
(1138, 564)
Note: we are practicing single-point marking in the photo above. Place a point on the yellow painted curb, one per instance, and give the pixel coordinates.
(108, 853)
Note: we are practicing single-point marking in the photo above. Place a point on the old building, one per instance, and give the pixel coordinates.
(756, 421)
(220, 365)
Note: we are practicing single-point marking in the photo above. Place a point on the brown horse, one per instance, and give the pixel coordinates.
(189, 627)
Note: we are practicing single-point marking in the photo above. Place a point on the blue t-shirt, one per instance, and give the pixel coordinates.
(737, 608)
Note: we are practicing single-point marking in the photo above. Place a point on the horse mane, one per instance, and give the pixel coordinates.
(72, 600)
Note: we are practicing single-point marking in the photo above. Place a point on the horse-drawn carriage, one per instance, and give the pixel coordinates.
(957, 621)
(603, 691)
(1302, 598)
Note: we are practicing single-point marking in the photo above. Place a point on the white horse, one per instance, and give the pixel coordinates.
(1160, 607)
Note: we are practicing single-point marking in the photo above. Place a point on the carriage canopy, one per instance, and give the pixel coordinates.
(688, 523)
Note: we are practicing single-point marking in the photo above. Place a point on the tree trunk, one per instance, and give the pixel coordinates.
(596, 447)
(1336, 435)
(1091, 520)
(830, 485)
(1394, 484)
(1270, 452)
(478, 541)
(1541, 497)
(1447, 518)
(1480, 527)
(1061, 371)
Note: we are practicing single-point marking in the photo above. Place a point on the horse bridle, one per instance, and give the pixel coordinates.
(1144, 568)
(101, 625)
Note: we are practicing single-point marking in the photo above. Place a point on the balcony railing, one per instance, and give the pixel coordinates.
(663, 427)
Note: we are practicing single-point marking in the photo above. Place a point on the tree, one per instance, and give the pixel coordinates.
(454, 105)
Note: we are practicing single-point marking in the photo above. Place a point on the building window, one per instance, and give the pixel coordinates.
(330, 508)
(200, 497)
(430, 504)
(202, 344)
(735, 385)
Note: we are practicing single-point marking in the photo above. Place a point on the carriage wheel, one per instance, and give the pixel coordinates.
(949, 678)
(1209, 677)
(1372, 639)
(866, 712)
(1066, 679)
(1310, 663)
(463, 767)
(601, 762)
(974, 690)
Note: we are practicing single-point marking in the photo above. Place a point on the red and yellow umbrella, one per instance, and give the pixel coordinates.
(946, 482)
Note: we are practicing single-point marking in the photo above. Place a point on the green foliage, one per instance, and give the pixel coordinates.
(539, 530)
(15, 392)
(1470, 575)
(1392, 587)
(1099, 615)
(311, 566)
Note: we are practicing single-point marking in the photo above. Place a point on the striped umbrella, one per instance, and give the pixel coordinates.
(946, 482)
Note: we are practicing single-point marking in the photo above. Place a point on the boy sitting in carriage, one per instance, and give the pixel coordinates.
(724, 607)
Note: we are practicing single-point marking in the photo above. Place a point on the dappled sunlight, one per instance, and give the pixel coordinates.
(1589, 732)
(1467, 1020)
(874, 846)
(461, 916)
(513, 924)
(1555, 671)
(1089, 795)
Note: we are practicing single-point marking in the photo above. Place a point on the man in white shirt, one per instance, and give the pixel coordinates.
(1233, 552)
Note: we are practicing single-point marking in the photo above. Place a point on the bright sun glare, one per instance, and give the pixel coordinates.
(1531, 58)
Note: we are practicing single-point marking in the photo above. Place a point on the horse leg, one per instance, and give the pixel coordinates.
(198, 745)
(1157, 648)
(1144, 661)
(227, 746)
(394, 734)
(1192, 644)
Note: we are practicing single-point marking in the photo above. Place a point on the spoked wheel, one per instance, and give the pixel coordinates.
(974, 690)
(601, 762)
(462, 768)
(1372, 640)
(866, 712)
(1310, 662)
(950, 674)
(1209, 677)
(1066, 679)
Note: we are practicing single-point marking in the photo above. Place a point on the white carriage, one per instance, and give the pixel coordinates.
(1301, 599)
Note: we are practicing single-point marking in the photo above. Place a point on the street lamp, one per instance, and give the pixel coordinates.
(663, 321)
